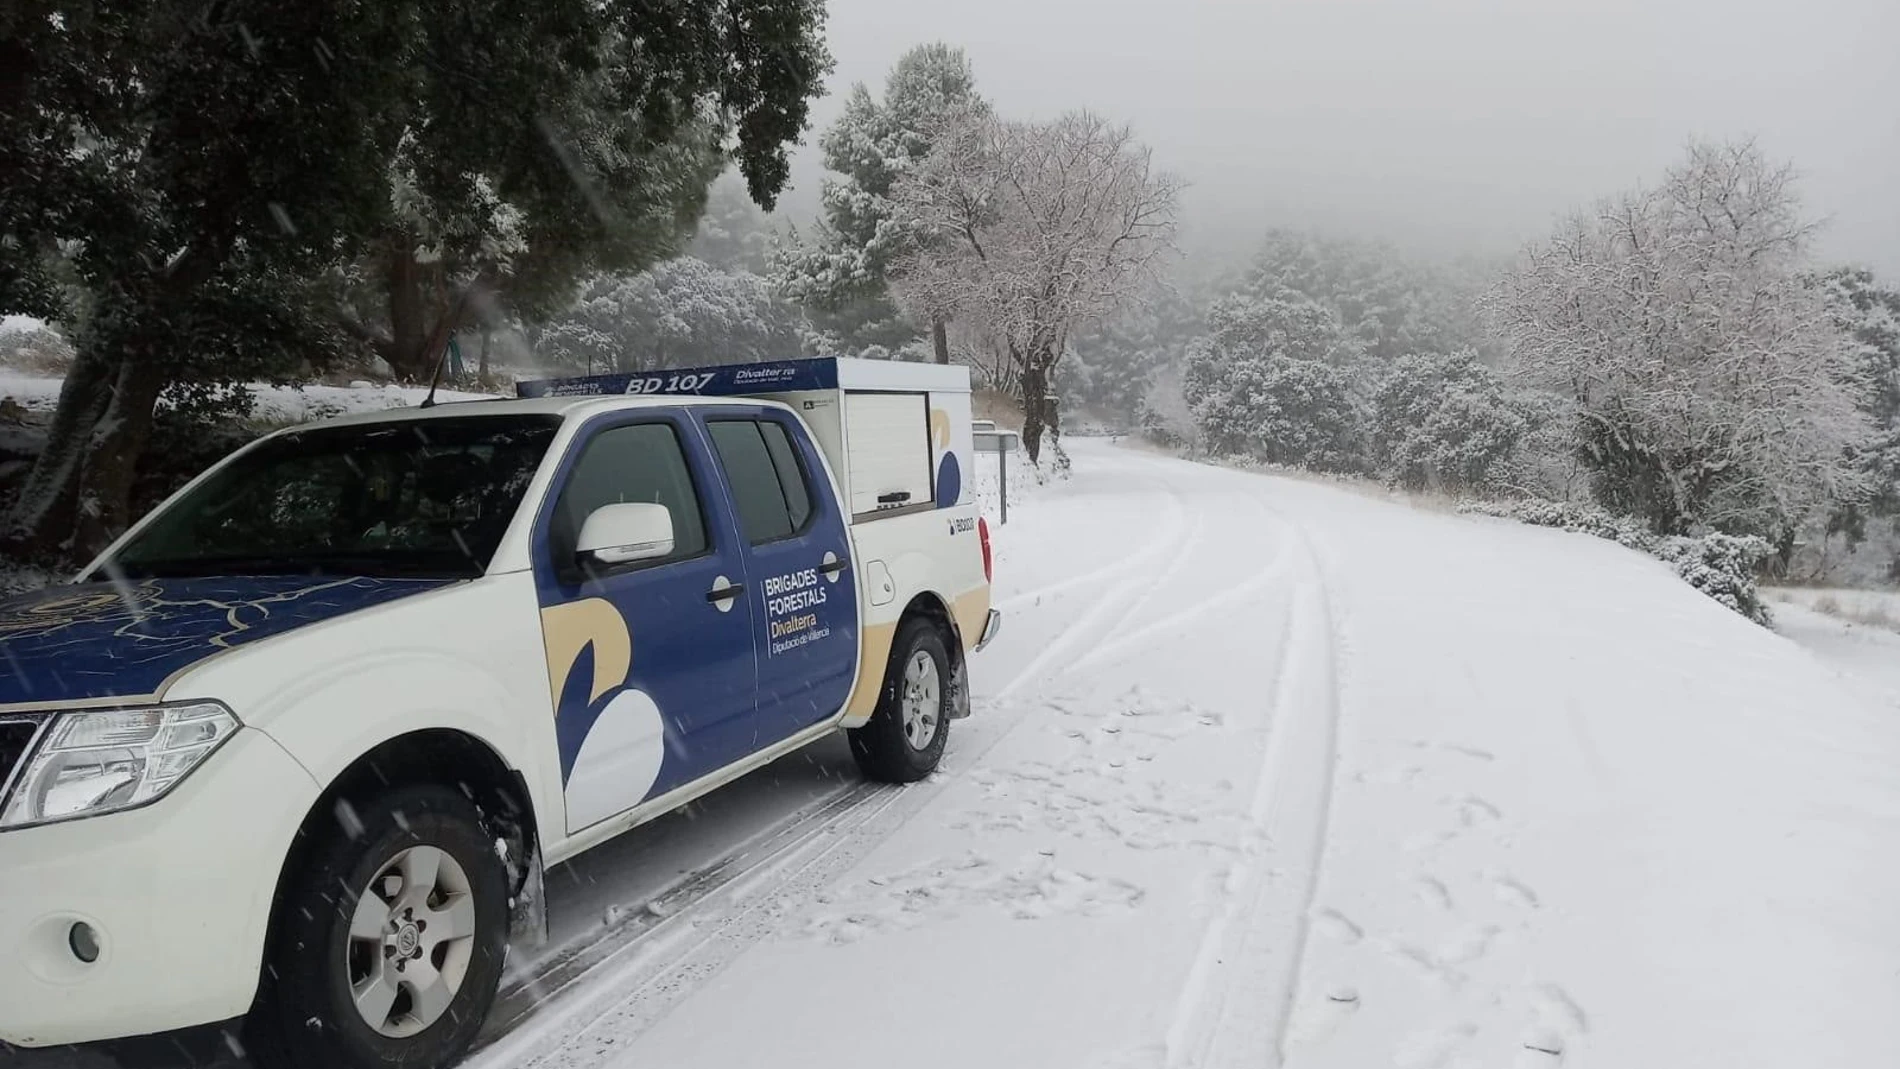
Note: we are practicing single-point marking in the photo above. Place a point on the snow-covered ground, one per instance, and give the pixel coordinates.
(1854, 632)
(1266, 773)
(275, 404)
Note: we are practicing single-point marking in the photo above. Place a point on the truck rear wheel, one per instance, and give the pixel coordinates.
(389, 942)
(905, 737)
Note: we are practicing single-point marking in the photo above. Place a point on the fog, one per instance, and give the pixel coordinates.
(1448, 126)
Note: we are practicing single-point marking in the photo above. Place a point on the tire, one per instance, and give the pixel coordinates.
(306, 1017)
(888, 746)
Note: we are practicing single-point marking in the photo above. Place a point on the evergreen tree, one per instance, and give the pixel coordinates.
(208, 166)
(681, 313)
(1271, 381)
(1445, 422)
(840, 275)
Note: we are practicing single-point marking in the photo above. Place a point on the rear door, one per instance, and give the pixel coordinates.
(651, 664)
(798, 556)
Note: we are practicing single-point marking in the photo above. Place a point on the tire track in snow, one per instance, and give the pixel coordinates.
(530, 988)
(727, 908)
(1270, 574)
(1163, 539)
(664, 962)
(1089, 626)
(1235, 1007)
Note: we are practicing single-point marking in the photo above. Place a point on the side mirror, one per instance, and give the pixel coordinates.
(624, 533)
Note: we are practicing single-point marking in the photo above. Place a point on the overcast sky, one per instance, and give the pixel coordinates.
(1453, 125)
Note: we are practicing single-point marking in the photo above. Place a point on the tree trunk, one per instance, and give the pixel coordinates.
(481, 374)
(1035, 384)
(112, 455)
(408, 316)
(78, 497)
(940, 340)
(424, 310)
(40, 522)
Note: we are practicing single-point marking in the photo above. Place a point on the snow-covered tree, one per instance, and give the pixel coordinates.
(1113, 365)
(681, 313)
(840, 274)
(1868, 314)
(203, 164)
(1712, 383)
(733, 234)
(1272, 381)
(1031, 231)
(1391, 304)
(1445, 422)
(575, 345)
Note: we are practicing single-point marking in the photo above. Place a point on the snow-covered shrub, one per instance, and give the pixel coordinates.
(1295, 412)
(1271, 382)
(1546, 463)
(1722, 566)
(1444, 422)
(41, 350)
(571, 345)
(680, 313)
(1570, 516)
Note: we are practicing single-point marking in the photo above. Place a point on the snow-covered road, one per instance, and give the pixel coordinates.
(1266, 773)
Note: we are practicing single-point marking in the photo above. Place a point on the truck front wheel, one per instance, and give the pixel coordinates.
(390, 940)
(905, 737)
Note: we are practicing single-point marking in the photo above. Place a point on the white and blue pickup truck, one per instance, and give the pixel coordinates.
(297, 747)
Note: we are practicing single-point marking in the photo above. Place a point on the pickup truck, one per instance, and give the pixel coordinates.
(297, 748)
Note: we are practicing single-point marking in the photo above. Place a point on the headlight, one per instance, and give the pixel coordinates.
(102, 761)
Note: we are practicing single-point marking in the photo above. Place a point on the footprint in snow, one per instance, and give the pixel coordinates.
(1556, 1009)
(1432, 891)
(1336, 925)
(1558, 1022)
(1428, 968)
(1318, 1017)
(1510, 891)
(1542, 1048)
(1475, 812)
(1428, 840)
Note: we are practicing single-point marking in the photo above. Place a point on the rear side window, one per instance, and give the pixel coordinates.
(768, 484)
(791, 474)
(638, 463)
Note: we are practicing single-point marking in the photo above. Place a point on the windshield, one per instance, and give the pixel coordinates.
(427, 498)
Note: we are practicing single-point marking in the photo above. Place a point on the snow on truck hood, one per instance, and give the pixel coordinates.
(96, 641)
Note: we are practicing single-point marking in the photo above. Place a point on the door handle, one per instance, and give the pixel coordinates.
(834, 567)
(726, 593)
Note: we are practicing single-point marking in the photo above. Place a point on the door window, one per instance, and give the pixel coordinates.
(791, 474)
(768, 484)
(641, 462)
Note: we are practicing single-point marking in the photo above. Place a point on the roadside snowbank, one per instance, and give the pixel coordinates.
(275, 404)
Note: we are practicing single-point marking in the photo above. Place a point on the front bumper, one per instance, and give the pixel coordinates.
(179, 893)
(992, 626)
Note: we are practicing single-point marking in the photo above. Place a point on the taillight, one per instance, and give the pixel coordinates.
(983, 532)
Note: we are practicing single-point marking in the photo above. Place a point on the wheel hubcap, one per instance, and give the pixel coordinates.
(411, 938)
(923, 700)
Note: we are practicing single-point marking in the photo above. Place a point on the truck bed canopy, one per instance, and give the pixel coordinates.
(896, 433)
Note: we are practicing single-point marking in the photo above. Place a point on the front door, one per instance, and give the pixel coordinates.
(798, 558)
(652, 662)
